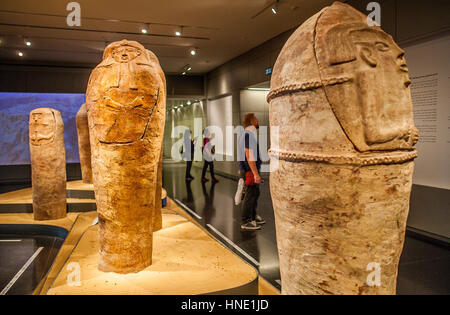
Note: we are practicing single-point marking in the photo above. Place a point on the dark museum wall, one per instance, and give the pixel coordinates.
(38, 78)
(408, 21)
(24, 87)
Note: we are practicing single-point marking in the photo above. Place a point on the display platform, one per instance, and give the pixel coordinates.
(80, 198)
(186, 260)
(27, 251)
(76, 223)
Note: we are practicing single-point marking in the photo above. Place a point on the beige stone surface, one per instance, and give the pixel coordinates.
(125, 101)
(343, 160)
(48, 164)
(79, 185)
(25, 195)
(265, 288)
(157, 217)
(186, 261)
(84, 144)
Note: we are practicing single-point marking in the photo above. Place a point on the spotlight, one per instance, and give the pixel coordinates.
(20, 53)
(27, 41)
(184, 73)
(179, 31)
(188, 102)
(189, 69)
(193, 52)
(144, 30)
(275, 8)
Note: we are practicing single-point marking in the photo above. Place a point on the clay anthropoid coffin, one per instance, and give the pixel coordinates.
(157, 214)
(48, 164)
(125, 102)
(84, 144)
(340, 99)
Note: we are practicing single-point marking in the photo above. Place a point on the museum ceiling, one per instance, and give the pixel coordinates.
(218, 30)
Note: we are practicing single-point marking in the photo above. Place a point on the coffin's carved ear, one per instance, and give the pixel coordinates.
(367, 56)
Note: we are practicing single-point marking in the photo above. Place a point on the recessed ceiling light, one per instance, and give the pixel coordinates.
(275, 8)
(193, 52)
(188, 102)
(145, 28)
(20, 54)
(28, 43)
(184, 73)
(179, 31)
(189, 69)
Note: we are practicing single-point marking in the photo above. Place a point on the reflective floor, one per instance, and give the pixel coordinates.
(25, 261)
(424, 267)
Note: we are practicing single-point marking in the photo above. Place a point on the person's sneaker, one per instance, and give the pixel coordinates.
(240, 189)
(250, 226)
(259, 220)
(204, 179)
(214, 180)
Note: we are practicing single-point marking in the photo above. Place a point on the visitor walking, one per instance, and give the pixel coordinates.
(208, 154)
(250, 165)
(188, 153)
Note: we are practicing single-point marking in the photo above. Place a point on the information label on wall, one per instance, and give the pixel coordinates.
(429, 70)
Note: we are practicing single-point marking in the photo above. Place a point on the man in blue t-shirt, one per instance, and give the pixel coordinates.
(250, 164)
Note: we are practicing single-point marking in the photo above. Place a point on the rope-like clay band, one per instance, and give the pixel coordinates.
(305, 86)
(370, 159)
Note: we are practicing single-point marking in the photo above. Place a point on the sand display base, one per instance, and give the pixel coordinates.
(80, 198)
(24, 196)
(186, 260)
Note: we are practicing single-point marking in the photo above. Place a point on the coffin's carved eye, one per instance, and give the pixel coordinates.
(381, 46)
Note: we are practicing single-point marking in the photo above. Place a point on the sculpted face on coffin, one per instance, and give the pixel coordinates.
(127, 96)
(375, 107)
(42, 126)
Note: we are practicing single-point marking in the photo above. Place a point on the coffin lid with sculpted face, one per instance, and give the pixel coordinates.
(362, 72)
(123, 92)
(42, 127)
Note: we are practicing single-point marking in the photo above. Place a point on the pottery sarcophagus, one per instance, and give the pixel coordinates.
(340, 99)
(125, 101)
(48, 164)
(84, 144)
